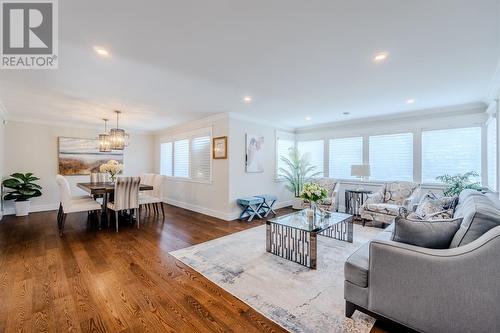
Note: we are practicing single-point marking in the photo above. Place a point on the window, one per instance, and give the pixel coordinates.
(315, 149)
(181, 158)
(391, 157)
(200, 158)
(166, 159)
(492, 153)
(188, 157)
(284, 141)
(342, 154)
(450, 151)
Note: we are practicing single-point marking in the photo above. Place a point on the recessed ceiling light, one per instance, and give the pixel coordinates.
(379, 57)
(346, 113)
(247, 99)
(101, 51)
(410, 101)
(308, 118)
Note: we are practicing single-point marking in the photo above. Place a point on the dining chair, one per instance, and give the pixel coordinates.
(126, 197)
(154, 198)
(69, 204)
(98, 177)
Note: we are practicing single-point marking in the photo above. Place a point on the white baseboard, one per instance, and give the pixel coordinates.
(215, 213)
(198, 209)
(33, 209)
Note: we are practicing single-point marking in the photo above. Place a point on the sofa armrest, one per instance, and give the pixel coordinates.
(437, 290)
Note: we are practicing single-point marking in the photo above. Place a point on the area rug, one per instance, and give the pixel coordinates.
(295, 297)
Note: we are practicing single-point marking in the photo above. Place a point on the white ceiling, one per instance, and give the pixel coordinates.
(175, 61)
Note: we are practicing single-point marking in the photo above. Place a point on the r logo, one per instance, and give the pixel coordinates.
(27, 27)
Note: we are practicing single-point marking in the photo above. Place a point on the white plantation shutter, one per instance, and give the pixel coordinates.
(450, 151)
(342, 154)
(391, 157)
(200, 158)
(181, 158)
(315, 149)
(492, 154)
(166, 156)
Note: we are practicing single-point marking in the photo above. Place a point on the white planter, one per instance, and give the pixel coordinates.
(297, 203)
(22, 208)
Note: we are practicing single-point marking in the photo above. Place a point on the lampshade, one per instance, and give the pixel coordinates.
(360, 170)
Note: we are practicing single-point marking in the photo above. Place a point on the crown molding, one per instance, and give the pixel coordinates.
(239, 116)
(193, 124)
(463, 109)
(96, 128)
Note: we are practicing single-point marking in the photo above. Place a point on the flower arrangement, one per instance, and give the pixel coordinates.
(313, 192)
(113, 168)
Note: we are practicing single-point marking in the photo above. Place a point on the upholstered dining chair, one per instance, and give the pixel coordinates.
(126, 197)
(98, 177)
(69, 204)
(153, 199)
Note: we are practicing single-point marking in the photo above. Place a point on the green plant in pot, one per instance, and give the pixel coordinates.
(297, 171)
(21, 188)
(457, 183)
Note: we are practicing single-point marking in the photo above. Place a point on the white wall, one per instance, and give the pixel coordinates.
(243, 184)
(229, 179)
(207, 198)
(32, 147)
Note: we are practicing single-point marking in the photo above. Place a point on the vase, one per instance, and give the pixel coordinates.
(314, 207)
(112, 178)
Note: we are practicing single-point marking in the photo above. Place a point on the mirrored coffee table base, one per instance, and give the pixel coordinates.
(293, 238)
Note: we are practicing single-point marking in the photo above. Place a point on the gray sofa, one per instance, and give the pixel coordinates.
(428, 290)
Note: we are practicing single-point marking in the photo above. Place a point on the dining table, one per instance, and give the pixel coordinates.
(106, 190)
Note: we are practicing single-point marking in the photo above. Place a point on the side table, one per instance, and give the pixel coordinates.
(355, 199)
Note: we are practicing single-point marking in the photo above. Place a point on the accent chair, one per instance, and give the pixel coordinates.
(331, 203)
(383, 206)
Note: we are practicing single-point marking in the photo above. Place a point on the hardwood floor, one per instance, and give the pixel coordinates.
(103, 281)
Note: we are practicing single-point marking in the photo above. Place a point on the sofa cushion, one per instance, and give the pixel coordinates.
(357, 265)
(383, 208)
(432, 234)
(479, 216)
(397, 192)
(432, 207)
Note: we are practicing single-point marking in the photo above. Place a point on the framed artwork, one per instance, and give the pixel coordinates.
(254, 153)
(81, 156)
(219, 148)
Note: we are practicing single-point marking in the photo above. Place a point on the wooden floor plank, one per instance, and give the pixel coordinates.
(103, 281)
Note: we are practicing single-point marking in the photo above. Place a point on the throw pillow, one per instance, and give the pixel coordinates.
(432, 234)
(432, 207)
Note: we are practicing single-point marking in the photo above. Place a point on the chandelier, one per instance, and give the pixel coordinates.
(117, 136)
(104, 141)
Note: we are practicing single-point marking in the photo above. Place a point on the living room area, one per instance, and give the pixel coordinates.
(279, 166)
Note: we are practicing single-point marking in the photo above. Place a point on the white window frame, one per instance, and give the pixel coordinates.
(325, 147)
(207, 131)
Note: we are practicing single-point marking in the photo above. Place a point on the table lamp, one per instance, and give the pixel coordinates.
(361, 171)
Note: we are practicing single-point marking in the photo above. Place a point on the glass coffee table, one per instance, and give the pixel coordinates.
(294, 236)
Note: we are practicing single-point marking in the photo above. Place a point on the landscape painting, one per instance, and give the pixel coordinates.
(82, 156)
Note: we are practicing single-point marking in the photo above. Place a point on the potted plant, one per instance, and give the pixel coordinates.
(21, 189)
(297, 171)
(113, 168)
(458, 183)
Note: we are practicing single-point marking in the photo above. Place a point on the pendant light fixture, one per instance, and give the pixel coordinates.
(104, 139)
(118, 137)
